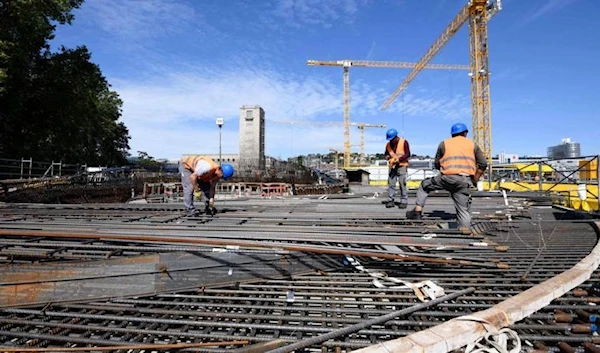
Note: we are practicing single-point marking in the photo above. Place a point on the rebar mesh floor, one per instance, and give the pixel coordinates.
(275, 272)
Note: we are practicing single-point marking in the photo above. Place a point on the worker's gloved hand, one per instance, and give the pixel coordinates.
(209, 207)
(211, 211)
(197, 194)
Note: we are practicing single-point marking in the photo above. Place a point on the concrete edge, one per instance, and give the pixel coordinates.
(457, 333)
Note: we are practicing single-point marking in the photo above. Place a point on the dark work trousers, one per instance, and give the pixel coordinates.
(188, 189)
(397, 175)
(458, 186)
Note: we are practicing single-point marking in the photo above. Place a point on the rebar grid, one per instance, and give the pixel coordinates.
(542, 242)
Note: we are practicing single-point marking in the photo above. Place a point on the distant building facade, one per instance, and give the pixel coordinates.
(506, 158)
(252, 138)
(566, 149)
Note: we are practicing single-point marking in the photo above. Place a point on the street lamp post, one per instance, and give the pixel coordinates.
(220, 122)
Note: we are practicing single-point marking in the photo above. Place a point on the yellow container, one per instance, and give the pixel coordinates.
(588, 171)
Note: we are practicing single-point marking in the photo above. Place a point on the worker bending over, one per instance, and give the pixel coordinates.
(461, 164)
(397, 153)
(200, 173)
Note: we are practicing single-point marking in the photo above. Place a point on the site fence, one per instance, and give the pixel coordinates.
(173, 192)
(575, 181)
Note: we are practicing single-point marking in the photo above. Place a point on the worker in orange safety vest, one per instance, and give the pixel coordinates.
(461, 163)
(200, 173)
(397, 152)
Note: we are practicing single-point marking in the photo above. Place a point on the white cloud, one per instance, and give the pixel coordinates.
(322, 13)
(371, 52)
(510, 74)
(174, 112)
(290, 140)
(173, 140)
(548, 7)
(205, 94)
(140, 19)
(457, 107)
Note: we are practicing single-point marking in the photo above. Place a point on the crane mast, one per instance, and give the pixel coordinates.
(480, 80)
(346, 114)
(361, 127)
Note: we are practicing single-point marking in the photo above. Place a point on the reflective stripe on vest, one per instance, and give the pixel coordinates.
(459, 157)
(399, 152)
(190, 162)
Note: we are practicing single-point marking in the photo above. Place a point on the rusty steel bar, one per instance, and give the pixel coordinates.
(165, 346)
(251, 244)
(308, 233)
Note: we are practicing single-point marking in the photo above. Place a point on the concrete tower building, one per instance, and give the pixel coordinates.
(252, 138)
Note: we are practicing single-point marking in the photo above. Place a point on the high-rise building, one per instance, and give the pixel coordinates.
(252, 138)
(566, 149)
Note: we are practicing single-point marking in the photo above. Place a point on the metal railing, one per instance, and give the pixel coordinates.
(586, 172)
(29, 168)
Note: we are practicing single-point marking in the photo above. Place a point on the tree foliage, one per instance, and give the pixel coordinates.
(54, 105)
(145, 159)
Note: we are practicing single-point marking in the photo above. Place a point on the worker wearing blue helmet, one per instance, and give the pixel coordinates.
(201, 174)
(461, 163)
(397, 153)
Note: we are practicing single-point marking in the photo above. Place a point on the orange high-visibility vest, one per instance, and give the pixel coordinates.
(394, 155)
(190, 162)
(459, 156)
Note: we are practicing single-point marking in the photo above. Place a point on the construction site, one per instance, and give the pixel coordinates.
(303, 259)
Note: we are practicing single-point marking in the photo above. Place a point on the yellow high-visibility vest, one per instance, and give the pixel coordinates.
(394, 155)
(190, 162)
(459, 157)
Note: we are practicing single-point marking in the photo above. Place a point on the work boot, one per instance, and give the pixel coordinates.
(402, 205)
(414, 214)
(465, 230)
(385, 201)
(390, 204)
(193, 213)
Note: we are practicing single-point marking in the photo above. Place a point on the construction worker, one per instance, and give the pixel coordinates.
(461, 163)
(200, 173)
(397, 152)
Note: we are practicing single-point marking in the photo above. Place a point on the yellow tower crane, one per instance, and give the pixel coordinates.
(478, 13)
(346, 64)
(360, 126)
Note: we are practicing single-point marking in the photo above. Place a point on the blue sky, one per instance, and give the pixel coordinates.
(178, 64)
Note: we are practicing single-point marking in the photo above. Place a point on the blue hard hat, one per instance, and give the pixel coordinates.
(390, 134)
(458, 128)
(227, 171)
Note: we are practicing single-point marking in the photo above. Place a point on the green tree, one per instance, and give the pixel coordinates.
(145, 159)
(54, 106)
